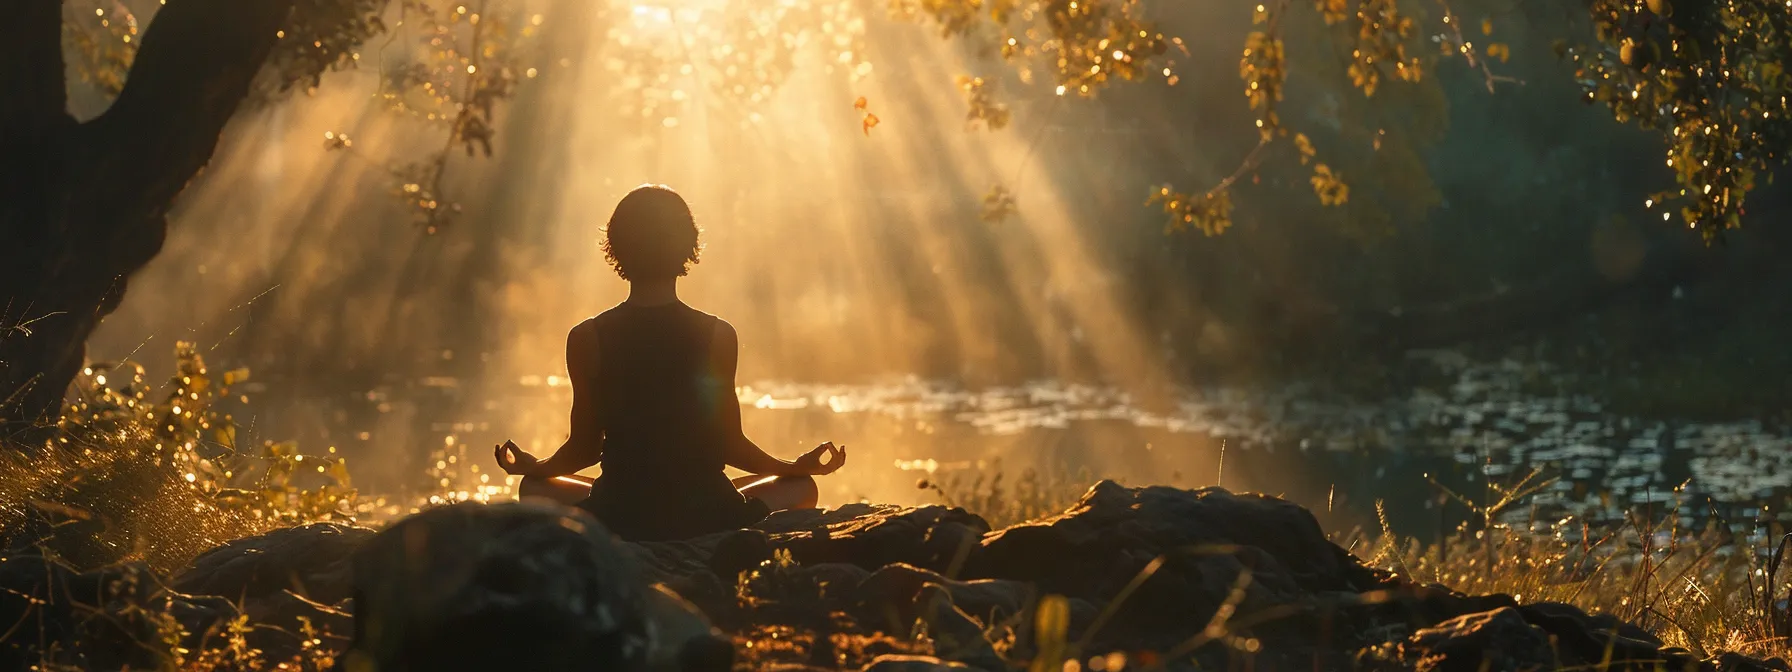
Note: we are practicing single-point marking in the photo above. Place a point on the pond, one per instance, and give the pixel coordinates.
(1467, 427)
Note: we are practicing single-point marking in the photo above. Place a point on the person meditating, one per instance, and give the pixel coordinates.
(653, 401)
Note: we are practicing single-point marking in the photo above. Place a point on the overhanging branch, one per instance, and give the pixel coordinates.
(193, 69)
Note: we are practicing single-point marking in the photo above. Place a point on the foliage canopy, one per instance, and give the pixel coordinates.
(1708, 75)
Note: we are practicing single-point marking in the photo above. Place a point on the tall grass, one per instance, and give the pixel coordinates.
(1003, 500)
(1704, 589)
(155, 474)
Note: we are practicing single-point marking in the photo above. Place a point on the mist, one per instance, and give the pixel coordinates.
(848, 254)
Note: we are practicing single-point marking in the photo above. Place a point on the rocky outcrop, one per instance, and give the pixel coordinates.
(1539, 637)
(505, 586)
(311, 561)
(1108, 537)
(1490, 641)
(1203, 577)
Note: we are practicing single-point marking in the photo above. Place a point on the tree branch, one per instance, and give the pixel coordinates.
(31, 69)
(194, 67)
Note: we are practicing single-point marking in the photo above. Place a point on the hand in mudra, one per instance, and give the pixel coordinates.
(823, 460)
(514, 460)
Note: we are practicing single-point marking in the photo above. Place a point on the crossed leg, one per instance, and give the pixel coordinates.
(778, 492)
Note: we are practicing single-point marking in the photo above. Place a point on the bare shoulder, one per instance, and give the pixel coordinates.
(724, 347)
(583, 331)
(581, 341)
(725, 333)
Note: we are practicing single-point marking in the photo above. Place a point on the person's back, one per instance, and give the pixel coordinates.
(653, 401)
(660, 418)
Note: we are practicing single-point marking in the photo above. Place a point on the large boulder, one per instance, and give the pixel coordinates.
(1583, 639)
(895, 589)
(706, 569)
(934, 537)
(310, 560)
(1544, 635)
(1100, 544)
(682, 636)
(499, 586)
(956, 636)
(1164, 561)
(1493, 641)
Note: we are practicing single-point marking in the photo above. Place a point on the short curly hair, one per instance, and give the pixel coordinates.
(652, 235)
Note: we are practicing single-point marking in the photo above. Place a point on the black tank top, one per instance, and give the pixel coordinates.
(659, 403)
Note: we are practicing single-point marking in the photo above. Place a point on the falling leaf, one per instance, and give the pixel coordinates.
(1486, 26)
(870, 120)
(999, 204)
(860, 104)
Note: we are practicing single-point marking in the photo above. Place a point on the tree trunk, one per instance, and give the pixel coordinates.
(83, 205)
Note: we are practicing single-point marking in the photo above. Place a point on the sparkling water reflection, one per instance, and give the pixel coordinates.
(1466, 424)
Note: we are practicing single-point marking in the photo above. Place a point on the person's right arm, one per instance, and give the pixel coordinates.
(585, 444)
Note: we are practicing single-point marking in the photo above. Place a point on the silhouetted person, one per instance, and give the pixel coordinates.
(653, 401)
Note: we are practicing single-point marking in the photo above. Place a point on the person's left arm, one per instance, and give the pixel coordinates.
(739, 451)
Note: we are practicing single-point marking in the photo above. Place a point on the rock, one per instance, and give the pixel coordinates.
(894, 587)
(739, 552)
(501, 586)
(685, 567)
(1185, 592)
(682, 638)
(1538, 636)
(727, 554)
(901, 663)
(706, 569)
(804, 520)
(541, 587)
(1357, 620)
(956, 636)
(663, 560)
(1736, 662)
(282, 618)
(310, 560)
(837, 580)
(1584, 639)
(1113, 532)
(201, 616)
(1428, 604)
(1493, 641)
(930, 536)
(1188, 548)
(706, 654)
